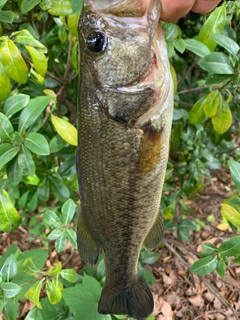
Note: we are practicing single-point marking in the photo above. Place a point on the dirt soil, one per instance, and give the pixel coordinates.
(178, 293)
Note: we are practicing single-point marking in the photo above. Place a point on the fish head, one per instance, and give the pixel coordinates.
(116, 49)
(119, 62)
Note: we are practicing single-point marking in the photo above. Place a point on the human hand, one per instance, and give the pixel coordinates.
(175, 9)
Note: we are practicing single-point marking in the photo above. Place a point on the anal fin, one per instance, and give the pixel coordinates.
(155, 235)
(87, 246)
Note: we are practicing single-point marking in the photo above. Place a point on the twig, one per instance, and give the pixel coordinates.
(49, 74)
(192, 66)
(220, 298)
(69, 258)
(183, 103)
(210, 312)
(33, 235)
(68, 66)
(175, 253)
(192, 90)
(205, 281)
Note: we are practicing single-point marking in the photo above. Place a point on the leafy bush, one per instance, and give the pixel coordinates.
(38, 182)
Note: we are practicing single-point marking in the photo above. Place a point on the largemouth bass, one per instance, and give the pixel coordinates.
(124, 117)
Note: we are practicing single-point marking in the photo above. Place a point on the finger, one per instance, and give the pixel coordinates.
(175, 9)
(204, 6)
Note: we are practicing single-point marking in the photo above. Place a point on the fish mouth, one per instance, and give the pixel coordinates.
(161, 80)
(158, 78)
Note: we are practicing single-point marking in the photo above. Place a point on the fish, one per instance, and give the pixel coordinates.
(125, 107)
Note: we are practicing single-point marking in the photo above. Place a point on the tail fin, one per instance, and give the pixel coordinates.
(136, 301)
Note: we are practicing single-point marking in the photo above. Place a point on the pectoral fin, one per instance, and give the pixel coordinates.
(87, 246)
(155, 235)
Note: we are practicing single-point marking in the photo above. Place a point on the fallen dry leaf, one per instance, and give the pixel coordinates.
(196, 301)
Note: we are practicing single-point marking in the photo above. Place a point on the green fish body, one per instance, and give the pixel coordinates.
(124, 124)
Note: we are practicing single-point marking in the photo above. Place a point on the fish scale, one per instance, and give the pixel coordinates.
(123, 147)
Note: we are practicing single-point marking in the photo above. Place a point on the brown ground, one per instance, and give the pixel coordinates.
(178, 293)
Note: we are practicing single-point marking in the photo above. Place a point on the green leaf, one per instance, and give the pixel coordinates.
(184, 228)
(10, 311)
(72, 237)
(15, 103)
(205, 266)
(235, 172)
(50, 311)
(34, 314)
(54, 295)
(68, 210)
(39, 60)
(230, 247)
(23, 199)
(230, 214)
(61, 8)
(56, 144)
(171, 32)
(227, 43)
(13, 61)
(88, 293)
(7, 153)
(37, 143)
(6, 128)
(55, 270)
(72, 21)
(33, 293)
(44, 189)
(29, 267)
(55, 234)
(59, 189)
(69, 274)
(222, 120)
(39, 256)
(60, 243)
(148, 257)
(196, 114)
(5, 84)
(208, 246)
(101, 273)
(37, 77)
(218, 78)
(221, 268)
(14, 171)
(65, 129)
(197, 47)
(1, 305)
(6, 16)
(62, 33)
(10, 289)
(9, 269)
(32, 111)
(25, 160)
(77, 5)
(205, 253)
(51, 219)
(28, 5)
(211, 103)
(9, 217)
(213, 25)
(180, 45)
(2, 2)
(217, 63)
(25, 38)
(33, 203)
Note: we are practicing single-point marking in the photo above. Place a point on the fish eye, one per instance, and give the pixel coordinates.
(96, 42)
